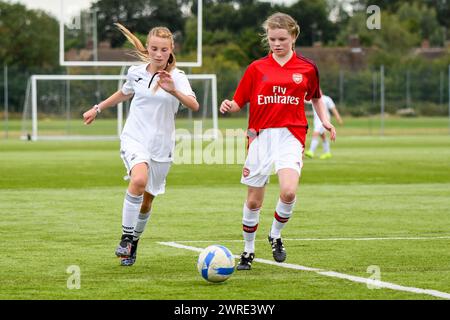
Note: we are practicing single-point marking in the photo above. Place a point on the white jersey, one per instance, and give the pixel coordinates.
(151, 122)
(329, 106)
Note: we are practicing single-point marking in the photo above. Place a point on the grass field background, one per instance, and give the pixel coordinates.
(373, 125)
(60, 204)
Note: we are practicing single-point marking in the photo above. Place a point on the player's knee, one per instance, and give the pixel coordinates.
(139, 182)
(253, 204)
(287, 196)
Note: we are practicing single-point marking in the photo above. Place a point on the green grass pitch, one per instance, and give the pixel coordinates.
(61, 202)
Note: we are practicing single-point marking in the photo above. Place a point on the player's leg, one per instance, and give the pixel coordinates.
(326, 147)
(143, 217)
(255, 175)
(288, 168)
(250, 222)
(288, 179)
(131, 207)
(313, 145)
(155, 186)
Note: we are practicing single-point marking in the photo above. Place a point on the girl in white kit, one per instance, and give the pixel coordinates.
(148, 138)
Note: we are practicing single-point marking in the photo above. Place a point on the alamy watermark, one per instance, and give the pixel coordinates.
(373, 22)
(75, 20)
(374, 280)
(229, 147)
(74, 280)
(209, 146)
(215, 147)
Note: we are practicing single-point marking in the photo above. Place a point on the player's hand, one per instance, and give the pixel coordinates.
(327, 125)
(166, 82)
(225, 106)
(89, 116)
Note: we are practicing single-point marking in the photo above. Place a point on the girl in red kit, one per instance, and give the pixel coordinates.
(276, 87)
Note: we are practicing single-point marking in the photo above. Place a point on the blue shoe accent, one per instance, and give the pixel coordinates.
(130, 260)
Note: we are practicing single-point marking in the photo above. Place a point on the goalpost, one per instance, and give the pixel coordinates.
(54, 106)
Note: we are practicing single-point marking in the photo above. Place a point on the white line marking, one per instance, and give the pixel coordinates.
(327, 239)
(381, 284)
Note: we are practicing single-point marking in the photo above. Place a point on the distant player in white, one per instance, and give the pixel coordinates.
(319, 130)
(148, 138)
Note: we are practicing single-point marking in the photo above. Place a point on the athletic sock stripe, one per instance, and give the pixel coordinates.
(288, 202)
(279, 218)
(249, 229)
(128, 228)
(134, 199)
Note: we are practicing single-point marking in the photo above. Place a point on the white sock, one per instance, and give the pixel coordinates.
(131, 208)
(314, 144)
(326, 146)
(250, 222)
(282, 214)
(140, 224)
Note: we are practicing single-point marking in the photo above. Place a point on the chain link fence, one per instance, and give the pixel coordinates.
(376, 95)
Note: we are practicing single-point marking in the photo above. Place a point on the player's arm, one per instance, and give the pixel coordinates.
(187, 101)
(229, 106)
(242, 94)
(113, 100)
(167, 83)
(319, 106)
(337, 115)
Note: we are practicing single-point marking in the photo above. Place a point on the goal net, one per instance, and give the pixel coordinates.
(54, 106)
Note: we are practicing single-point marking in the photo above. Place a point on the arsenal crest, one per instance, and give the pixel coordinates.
(297, 77)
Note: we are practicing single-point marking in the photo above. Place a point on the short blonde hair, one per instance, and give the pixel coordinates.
(280, 20)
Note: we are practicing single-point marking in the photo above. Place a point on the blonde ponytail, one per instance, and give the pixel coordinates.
(140, 51)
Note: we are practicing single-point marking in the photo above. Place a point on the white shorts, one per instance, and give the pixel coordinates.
(157, 171)
(273, 149)
(318, 127)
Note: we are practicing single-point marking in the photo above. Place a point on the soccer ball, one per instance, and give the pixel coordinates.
(215, 263)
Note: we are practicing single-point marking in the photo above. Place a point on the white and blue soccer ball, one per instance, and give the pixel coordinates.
(215, 263)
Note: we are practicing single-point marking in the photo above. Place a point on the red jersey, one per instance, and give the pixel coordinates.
(276, 93)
